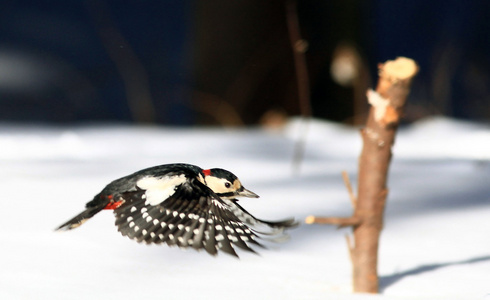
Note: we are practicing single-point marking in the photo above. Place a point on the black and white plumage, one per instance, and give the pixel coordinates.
(183, 205)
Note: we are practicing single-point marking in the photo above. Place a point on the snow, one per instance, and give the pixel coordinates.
(435, 244)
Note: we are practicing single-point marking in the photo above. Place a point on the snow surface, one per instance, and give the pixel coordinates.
(435, 245)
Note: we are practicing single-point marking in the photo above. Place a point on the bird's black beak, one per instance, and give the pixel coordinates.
(246, 193)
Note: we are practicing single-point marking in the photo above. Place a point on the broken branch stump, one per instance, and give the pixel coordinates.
(378, 137)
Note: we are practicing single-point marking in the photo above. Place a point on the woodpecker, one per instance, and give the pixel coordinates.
(183, 205)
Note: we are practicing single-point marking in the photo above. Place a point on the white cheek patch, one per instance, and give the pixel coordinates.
(158, 189)
(217, 185)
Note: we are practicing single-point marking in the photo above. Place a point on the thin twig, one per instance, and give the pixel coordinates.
(350, 246)
(300, 145)
(341, 222)
(348, 185)
(299, 47)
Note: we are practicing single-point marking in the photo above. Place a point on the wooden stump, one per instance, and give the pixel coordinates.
(378, 137)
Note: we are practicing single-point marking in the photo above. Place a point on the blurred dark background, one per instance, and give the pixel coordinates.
(231, 62)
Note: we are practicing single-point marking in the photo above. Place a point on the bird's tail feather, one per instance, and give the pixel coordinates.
(80, 218)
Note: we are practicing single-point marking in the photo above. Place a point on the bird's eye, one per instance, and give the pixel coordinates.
(227, 185)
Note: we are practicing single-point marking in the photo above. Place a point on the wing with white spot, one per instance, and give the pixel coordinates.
(158, 189)
(199, 222)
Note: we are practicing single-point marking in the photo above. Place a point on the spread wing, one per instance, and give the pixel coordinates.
(274, 231)
(187, 217)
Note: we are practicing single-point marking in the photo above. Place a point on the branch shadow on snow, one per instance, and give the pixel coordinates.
(388, 280)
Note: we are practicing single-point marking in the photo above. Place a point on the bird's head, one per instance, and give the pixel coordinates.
(225, 184)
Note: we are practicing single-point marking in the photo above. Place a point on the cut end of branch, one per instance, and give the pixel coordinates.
(310, 220)
(401, 68)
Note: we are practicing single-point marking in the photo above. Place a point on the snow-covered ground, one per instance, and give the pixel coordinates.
(435, 245)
